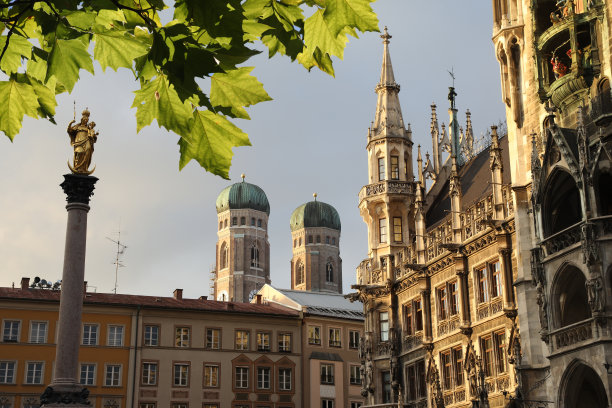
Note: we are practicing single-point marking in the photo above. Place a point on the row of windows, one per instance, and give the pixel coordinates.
(334, 337)
(35, 372)
(447, 300)
(328, 375)
(243, 222)
(297, 242)
(300, 277)
(38, 333)
(212, 341)
(395, 170)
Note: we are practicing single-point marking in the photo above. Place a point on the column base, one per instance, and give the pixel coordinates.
(61, 395)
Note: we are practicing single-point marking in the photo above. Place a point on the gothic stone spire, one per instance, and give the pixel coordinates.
(388, 121)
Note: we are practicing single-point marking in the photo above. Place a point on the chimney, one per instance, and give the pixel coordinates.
(178, 294)
(25, 283)
(203, 297)
(258, 299)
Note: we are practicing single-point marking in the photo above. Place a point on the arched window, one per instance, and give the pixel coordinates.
(242, 221)
(252, 221)
(570, 300)
(561, 204)
(223, 256)
(220, 225)
(300, 242)
(225, 223)
(310, 239)
(329, 272)
(605, 193)
(299, 273)
(254, 257)
(333, 240)
(294, 243)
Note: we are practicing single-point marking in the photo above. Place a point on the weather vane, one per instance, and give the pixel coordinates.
(452, 74)
(82, 139)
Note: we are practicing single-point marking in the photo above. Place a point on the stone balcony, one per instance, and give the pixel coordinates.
(575, 336)
(386, 187)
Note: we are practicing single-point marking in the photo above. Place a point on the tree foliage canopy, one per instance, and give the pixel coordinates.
(45, 44)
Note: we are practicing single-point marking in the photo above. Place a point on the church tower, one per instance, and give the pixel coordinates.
(385, 203)
(243, 250)
(316, 264)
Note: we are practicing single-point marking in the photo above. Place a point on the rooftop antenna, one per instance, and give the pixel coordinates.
(120, 250)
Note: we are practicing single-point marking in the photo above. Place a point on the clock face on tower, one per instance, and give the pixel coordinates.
(252, 294)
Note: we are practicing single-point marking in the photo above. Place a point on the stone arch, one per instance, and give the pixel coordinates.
(562, 207)
(569, 296)
(330, 271)
(581, 386)
(255, 255)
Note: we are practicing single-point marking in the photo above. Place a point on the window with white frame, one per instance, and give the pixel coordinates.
(213, 338)
(242, 340)
(34, 372)
(263, 378)
(112, 377)
(383, 319)
(242, 377)
(211, 375)
(90, 334)
(151, 335)
(181, 374)
(263, 341)
(284, 379)
(38, 332)
(7, 372)
(382, 230)
(314, 335)
(115, 336)
(10, 331)
(181, 336)
(381, 169)
(327, 373)
(284, 342)
(327, 403)
(353, 339)
(334, 337)
(149, 373)
(87, 375)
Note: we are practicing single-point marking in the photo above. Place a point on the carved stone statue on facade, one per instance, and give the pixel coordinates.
(470, 368)
(82, 139)
(543, 304)
(596, 299)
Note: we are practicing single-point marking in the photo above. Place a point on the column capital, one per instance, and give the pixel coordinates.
(78, 188)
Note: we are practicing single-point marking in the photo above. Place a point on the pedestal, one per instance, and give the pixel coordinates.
(64, 390)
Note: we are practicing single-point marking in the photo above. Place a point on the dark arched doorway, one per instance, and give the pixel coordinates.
(582, 387)
(561, 204)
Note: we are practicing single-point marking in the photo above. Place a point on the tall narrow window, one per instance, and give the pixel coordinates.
(394, 167)
(327, 373)
(211, 375)
(329, 272)
(442, 303)
(453, 298)
(334, 337)
(299, 273)
(314, 335)
(418, 318)
(445, 362)
(181, 337)
(181, 375)
(381, 169)
(242, 340)
(405, 167)
(397, 229)
(242, 377)
(408, 327)
(383, 319)
(112, 376)
(382, 230)
(252, 221)
(483, 284)
(223, 256)
(149, 373)
(263, 341)
(496, 279)
(353, 339)
(263, 378)
(213, 338)
(386, 387)
(254, 257)
(458, 365)
(284, 342)
(500, 347)
(487, 351)
(242, 220)
(284, 379)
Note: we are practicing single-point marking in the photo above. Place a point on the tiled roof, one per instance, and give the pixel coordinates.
(156, 302)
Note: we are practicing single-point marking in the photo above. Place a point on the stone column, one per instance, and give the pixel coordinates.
(64, 389)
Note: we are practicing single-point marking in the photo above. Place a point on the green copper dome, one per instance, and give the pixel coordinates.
(315, 214)
(243, 195)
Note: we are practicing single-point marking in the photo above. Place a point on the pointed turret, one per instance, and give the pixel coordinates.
(388, 121)
(435, 138)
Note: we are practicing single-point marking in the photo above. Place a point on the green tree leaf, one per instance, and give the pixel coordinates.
(236, 88)
(350, 13)
(117, 49)
(159, 100)
(210, 141)
(18, 49)
(67, 57)
(18, 99)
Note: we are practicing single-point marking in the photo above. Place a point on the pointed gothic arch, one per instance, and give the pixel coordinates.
(581, 386)
(569, 296)
(562, 207)
(255, 256)
(223, 258)
(329, 271)
(299, 272)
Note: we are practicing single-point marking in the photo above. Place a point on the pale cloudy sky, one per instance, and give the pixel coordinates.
(310, 138)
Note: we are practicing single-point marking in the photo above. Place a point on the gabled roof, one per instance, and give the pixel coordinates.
(475, 176)
(120, 300)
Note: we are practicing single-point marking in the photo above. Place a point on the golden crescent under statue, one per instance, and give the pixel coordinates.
(82, 138)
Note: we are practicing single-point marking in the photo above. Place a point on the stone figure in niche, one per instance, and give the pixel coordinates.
(543, 304)
(594, 289)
